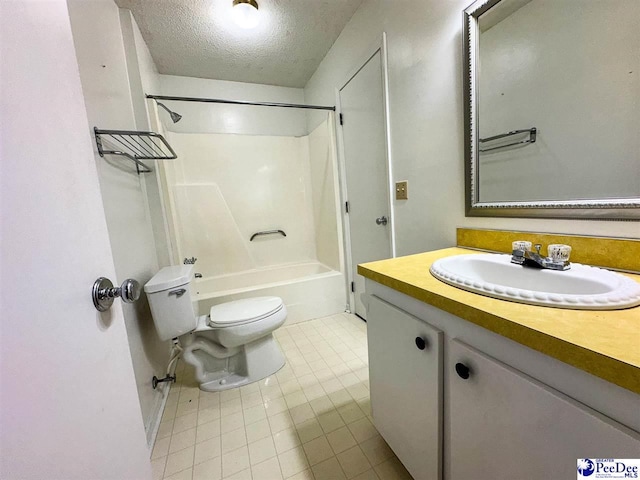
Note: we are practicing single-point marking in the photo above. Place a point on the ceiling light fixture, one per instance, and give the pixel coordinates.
(245, 13)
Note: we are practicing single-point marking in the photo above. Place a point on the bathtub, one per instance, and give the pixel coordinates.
(309, 290)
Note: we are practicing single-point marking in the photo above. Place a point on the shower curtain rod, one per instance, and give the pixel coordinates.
(238, 102)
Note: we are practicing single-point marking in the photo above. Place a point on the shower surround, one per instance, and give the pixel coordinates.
(225, 187)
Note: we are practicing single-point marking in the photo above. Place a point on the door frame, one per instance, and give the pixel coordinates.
(379, 46)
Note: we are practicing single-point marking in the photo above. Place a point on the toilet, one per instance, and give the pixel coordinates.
(230, 347)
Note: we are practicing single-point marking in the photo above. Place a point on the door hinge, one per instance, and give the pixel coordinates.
(346, 207)
(341, 119)
(353, 287)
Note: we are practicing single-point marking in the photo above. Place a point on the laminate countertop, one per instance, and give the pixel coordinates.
(605, 343)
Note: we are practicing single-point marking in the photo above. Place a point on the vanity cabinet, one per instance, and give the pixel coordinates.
(499, 422)
(504, 424)
(405, 364)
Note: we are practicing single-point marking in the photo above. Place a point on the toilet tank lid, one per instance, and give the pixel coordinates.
(169, 277)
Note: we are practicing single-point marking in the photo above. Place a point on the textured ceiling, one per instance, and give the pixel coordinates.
(197, 38)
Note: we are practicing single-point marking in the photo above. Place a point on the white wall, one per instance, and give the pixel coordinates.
(426, 102)
(107, 91)
(224, 118)
(68, 400)
(226, 187)
(143, 76)
(573, 71)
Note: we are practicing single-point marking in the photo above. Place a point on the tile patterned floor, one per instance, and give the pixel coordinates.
(311, 420)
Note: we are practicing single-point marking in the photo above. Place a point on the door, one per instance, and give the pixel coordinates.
(69, 401)
(405, 375)
(364, 143)
(504, 424)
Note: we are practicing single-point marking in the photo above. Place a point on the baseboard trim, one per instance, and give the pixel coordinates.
(154, 424)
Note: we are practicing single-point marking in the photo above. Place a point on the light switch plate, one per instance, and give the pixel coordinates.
(402, 190)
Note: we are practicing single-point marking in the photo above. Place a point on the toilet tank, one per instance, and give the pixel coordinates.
(169, 295)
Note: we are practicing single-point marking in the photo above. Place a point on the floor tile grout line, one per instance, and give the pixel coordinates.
(303, 342)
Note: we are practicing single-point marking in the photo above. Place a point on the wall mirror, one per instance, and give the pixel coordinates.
(552, 108)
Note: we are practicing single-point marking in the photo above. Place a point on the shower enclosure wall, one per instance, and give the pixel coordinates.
(226, 187)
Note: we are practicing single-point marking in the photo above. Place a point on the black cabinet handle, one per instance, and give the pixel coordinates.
(463, 371)
(421, 343)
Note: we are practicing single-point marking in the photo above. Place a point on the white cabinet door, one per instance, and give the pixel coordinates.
(506, 425)
(406, 387)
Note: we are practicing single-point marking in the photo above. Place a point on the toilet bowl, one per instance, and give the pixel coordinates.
(230, 347)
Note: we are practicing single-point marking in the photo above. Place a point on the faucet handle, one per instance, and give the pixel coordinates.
(521, 245)
(538, 246)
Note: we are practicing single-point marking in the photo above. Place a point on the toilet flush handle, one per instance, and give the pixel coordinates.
(103, 292)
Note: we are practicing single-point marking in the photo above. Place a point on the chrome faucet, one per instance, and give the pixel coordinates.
(527, 258)
(190, 261)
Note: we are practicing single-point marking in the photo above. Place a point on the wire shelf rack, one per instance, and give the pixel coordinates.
(135, 146)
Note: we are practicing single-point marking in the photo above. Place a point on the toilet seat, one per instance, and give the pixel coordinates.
(232, 346)
(242, 312)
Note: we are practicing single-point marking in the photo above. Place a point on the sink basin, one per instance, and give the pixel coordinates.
(582, 287)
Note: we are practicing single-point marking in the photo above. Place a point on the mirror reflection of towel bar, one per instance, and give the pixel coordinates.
(532, 139)
(267, 232)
